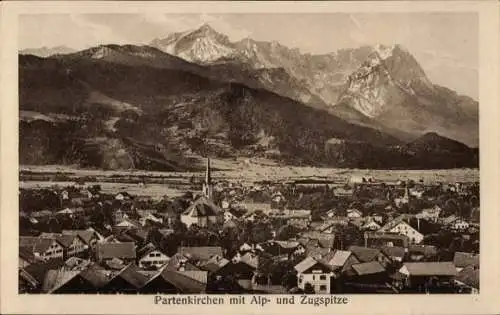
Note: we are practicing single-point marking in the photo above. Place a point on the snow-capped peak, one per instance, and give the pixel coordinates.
(384, 52)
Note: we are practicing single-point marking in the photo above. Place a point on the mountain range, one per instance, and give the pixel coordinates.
(197, 93)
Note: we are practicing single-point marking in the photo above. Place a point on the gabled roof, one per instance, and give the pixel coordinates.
(36, 244)
(177, 261)
(132, 276)
(253, 260)
(316, 251)
(85, 235)
(325, 240)
(146, 249)
(469, 276)
(202, 207)
(309, 262)
(96, 276)
(165, 231)
(337, 258)
(76, 262)
(450, 219)
(64, 239)
(426, 250)
(198, 275)
(38, 270)
(393, 251)
(385, 236)
(368, 268)
(365, 254)
(23, 274)
(26, 254)
(445, 268)
(305, 264)
(394, 222)
(462, 260)
(118, 250)
(183, 282)
(200, 252)
(54, 279)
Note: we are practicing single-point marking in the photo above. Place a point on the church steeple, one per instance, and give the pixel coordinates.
(207, 185)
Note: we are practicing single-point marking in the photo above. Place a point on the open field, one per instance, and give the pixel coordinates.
(245, 171)
(155, 191)
(253, 170)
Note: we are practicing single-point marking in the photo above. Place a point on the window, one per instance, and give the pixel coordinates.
(322, 277)
(322, 288)
(314, 277)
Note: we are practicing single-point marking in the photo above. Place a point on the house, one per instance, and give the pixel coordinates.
(314, 272)
(124, 251)
(168, 281)
(31, 278)
(462, 260)
(89, 280)
(325, 240)
(278, 201)
(340, 260)
(422, 252)
(26, 257)
(430, 214)
(89, 237)
(343, 191)
(400, 226)
(396, 253)
(459, 225)
(354, 213)
(381, 239)
(214, 264)
(255, 215)
(425, 276)
(365, 254)
(232, 214)
(151, 217)
(241, 267)
(468, 280)
(365, 224)
(330, 214)
(123, 196)
(128, 280)
(128, 223)
(279, 249)
(367, 272)
(73, 244)
(76, 263)
(455, 223)
(151, 257)
(200, 253)
(45, 248)
(332, 225)
(202, 212)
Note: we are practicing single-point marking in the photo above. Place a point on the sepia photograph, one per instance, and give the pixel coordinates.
(248, 156)
(259, 153)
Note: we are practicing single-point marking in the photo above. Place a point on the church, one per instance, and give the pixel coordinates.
(204, 211)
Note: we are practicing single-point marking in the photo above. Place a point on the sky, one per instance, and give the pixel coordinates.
(445, 44)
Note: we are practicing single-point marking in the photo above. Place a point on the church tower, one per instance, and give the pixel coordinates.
(207, 184)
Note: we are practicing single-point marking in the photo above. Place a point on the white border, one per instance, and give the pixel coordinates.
(486, 302)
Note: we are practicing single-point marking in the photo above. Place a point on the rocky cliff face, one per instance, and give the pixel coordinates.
(381, 87)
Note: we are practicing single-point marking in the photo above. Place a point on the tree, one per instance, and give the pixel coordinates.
(308, 288)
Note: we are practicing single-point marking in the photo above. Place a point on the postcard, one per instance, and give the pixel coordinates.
(274, 157)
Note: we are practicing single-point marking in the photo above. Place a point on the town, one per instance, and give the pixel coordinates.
(362, 236)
